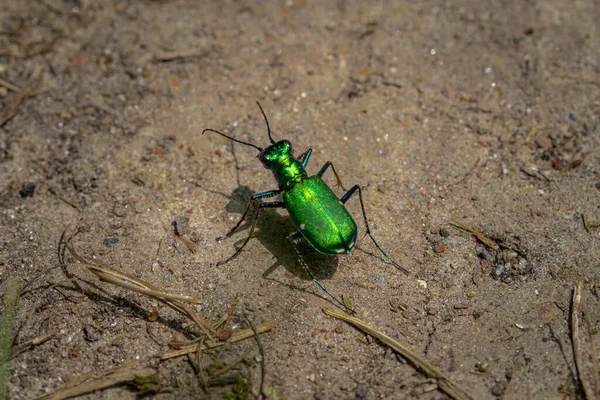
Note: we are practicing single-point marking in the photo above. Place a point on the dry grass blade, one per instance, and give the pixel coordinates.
(189, 244)
(9, 112)
(133, 283)
(347, 302)
(588, 227)
(10, 86)
(443, 382)
(223, 320)
(78, 386)
(582, 77)
(209, 344)
(11, 299)
(593, 351)
(129, 282)
(587, 389)
(263, 368)
(480, 236)
(16, 350)
(164, 56)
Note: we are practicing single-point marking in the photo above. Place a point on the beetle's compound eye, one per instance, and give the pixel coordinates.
(263, 157)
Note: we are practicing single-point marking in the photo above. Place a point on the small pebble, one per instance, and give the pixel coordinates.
(119, 210)
(522, 326)
(153, 316)
(109, 242)
(463, 305)
(482, 366)
(445, 232)
(498, 271)
(91, 334)
(498, 390)
(510, 255)
(224, 334)
(487, 256)
(27, 189)
(181, 225)
(262, 291)
(439, 248)
(339, 329)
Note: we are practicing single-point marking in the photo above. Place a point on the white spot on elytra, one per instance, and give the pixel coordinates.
(302, 226)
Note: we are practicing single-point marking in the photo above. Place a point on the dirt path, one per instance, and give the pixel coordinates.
(486, 112)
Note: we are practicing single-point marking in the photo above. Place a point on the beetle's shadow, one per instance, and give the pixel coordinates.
(272, 231)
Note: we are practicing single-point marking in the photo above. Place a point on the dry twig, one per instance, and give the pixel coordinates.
(86, 383)
(593, 352)
(133, 283)
(452, 389)
(16, 350)
(10, 86)
(480, 236)
(576, 345)
(263, 368)
(11, 298)
(209, 344)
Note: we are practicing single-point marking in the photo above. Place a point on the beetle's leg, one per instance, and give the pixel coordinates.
(268, 204)
(295, 236)
(304, 157)
(315, 280)
(344, 199)
(264, 195)
(337, 177)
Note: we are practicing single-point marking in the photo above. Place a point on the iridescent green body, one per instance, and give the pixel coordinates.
(320, 216)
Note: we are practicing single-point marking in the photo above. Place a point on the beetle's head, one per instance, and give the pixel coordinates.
(275, 153)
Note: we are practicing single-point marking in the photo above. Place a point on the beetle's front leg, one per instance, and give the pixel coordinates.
(263, 195)
(337, 177)
(268, 204)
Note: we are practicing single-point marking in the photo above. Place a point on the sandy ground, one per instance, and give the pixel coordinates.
(485, 112)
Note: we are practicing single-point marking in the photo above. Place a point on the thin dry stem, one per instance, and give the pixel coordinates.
(78, 386)
(444, 382)
(587, 390)
(236, 337)
(133, 283)
(480, 236)
(593, 352)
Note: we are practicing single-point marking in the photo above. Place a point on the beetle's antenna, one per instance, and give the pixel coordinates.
(268, 128)
(234, 139)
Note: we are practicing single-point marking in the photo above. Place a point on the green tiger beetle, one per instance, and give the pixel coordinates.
(321, 218)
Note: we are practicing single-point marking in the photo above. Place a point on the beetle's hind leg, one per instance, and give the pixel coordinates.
(347, 197)
(295, 239)
(337, 177)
